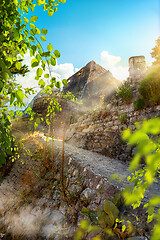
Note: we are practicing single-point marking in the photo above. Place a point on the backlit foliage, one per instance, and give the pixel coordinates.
(147, 141)
(19, 34)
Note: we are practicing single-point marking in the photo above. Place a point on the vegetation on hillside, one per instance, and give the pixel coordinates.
(150, 87)
(125, 92)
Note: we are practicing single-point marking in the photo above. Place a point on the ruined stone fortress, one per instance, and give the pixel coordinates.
(100, 130)
(137, 67)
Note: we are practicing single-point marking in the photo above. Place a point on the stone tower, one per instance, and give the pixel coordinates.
(137, 67)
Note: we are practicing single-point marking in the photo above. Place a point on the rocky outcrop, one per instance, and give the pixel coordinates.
(67, 115)
(91, 82)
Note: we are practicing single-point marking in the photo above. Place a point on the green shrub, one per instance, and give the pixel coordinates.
(123, 118)
(150, 86)
(139, 104)
(125, 93)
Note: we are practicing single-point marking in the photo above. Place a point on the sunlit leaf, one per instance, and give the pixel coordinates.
(64, 81)
(43, 38)
(44, 31)
(33, 18)
(58, 84)
(39, 72)
(18, 65)
(46, 75)
(41, 83)
(32, 25)
(50, 12)
(34, 63)
(57, 53)
(19, 95)
(26, 20)
(50, 47)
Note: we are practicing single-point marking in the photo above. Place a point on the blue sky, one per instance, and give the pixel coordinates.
(107, 31)
(81, 30)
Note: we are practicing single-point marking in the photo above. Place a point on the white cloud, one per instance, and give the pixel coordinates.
(114, 65)
(60, 71)
(63, 71)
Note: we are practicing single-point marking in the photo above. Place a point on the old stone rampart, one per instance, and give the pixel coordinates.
(100, 131)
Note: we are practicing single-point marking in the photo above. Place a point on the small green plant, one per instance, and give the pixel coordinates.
(139, 104)
(123, 118)
(102, 222)
(150, 87)
(69, 95)
(125, 93)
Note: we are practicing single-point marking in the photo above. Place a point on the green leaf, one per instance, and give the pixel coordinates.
(50, 47)
(44, 31)
(40, 2)
(33, 31)
(38, 31)
(19, 95)
(48, 122)
(39, 72)
(64, 81)
(55, 9)
(53, 61)
(46, 75)
(155, 201)
(41, 83)
(104, 219)
(39, 46)
(34, 63)
(33, 18)
(32, 39)
(18, 65)
(126, 134)
(43, 38)
(58, 84)
(50, 12)
(12, 98)
(32, 25)
(110, 208)
(123, 228)
(57, 53)
(25, 20)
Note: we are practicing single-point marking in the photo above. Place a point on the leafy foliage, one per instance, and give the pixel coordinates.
(147, 139)
(125, 93)
(18, 34)
(68, 95)
(103, 222)
(139, 104)
(150, 86)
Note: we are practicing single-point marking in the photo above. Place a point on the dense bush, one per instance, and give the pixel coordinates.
(125, 93)
(139, 104)
(150, 86)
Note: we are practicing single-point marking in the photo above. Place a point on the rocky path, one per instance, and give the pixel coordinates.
(106, 167)
(27, 203)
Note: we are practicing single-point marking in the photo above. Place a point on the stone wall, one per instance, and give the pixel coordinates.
(101, 130)
(63, 118)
